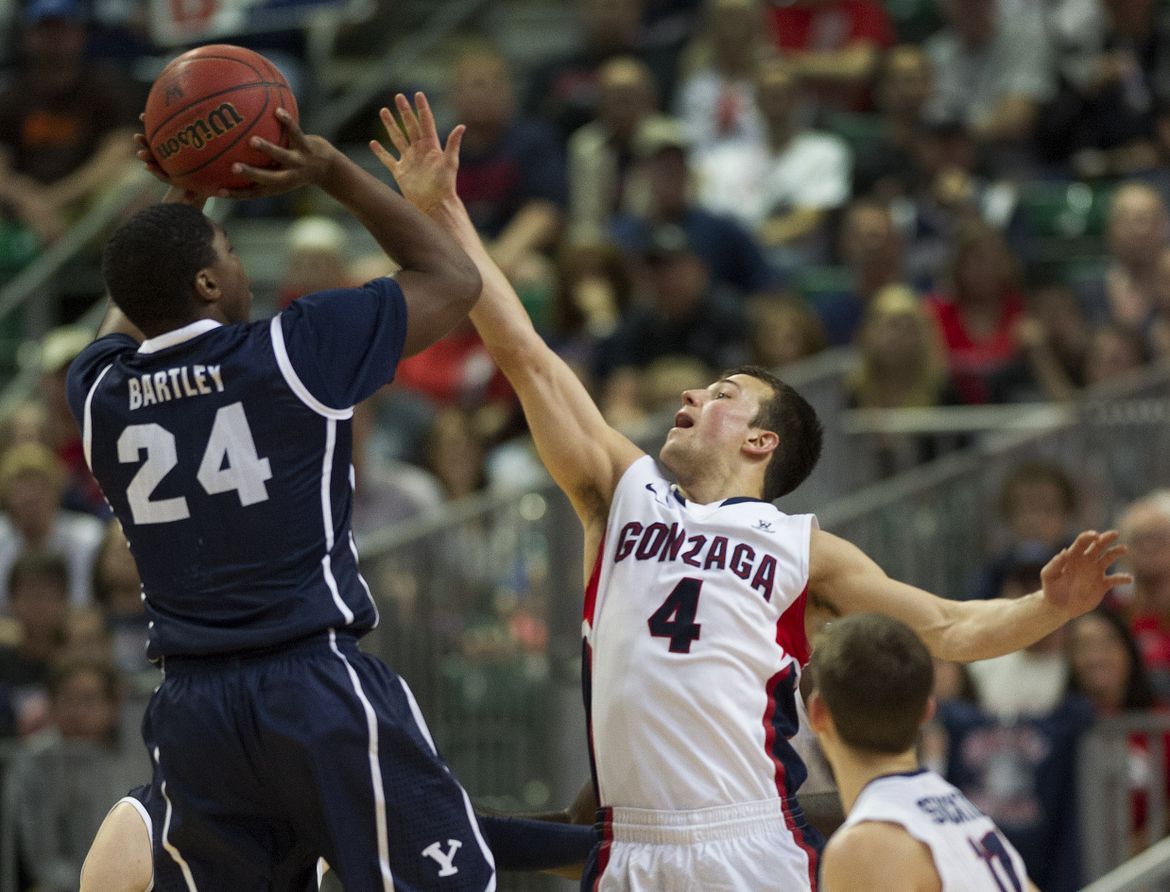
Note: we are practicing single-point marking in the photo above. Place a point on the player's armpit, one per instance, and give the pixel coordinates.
(876, 856)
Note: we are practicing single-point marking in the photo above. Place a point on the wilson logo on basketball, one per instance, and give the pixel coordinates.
(200, 132)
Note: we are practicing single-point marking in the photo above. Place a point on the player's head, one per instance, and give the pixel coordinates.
(169, 265)
(872, 678)
(748, 415)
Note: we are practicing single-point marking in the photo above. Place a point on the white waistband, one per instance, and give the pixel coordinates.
(701, 825)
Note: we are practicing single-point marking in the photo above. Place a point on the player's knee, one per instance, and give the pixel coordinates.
(120, 858)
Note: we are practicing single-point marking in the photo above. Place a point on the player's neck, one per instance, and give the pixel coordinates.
(854, 769)
(705, 489)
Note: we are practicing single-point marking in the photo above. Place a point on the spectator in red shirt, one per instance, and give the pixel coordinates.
(1105, 667)
(1145, 528)
(978, 314)
(834, 45)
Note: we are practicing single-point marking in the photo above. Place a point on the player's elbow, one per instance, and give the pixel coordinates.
(466, 282)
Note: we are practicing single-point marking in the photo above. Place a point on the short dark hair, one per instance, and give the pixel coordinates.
(795, 422)
(1139, 690)
(1037, 470)
(39, 565)
(875, 676)
(150, 263)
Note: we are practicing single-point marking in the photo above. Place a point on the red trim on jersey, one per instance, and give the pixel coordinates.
(791, 634)
(770, 731)
(603, 849)
(591, 588)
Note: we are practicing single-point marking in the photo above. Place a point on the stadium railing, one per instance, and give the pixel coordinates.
(1116, 858)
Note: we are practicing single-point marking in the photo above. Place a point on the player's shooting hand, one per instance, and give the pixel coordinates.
(1078, 577)
(175, 194)
(308, 160)
(424, 170)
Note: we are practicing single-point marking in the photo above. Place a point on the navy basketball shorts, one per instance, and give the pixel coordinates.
(263, 763)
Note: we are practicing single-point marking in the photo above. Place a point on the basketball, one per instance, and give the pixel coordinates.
(205, 106)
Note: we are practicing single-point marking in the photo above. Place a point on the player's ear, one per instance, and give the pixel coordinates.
(207, 286)
(818, 712)
(929, 711)
(761, 442)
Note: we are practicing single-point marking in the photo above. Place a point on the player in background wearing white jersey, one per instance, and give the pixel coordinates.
(697, 790)
(906, 828)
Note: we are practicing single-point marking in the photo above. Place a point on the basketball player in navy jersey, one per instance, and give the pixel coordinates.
(906, 828)
(223, 446)
(701, 594)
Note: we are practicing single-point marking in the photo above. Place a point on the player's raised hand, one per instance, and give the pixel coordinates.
(424, 170)
(1078, 577)
(308, 160)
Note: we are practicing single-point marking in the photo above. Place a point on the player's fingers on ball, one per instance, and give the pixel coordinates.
(296, 136)
(286, 157)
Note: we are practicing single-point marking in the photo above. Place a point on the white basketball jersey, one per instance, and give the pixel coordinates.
(694, 643)
(970, 853)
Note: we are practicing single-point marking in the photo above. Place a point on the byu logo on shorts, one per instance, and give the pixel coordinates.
(446, 859)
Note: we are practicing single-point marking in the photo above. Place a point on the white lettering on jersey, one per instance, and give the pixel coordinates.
(174, 384)
(446, 859)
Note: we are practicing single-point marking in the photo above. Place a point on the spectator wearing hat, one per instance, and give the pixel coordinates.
(58, 349)
(603, 174)
(731, 253)
(784, 187)
(316, 259)
(31, 482)
(66, 126)
(683, 314)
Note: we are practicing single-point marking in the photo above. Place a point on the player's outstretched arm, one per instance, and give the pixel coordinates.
(842, 579)
(582, 452)
(438, 279)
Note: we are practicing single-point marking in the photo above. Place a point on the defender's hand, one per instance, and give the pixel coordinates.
(1078, 577)
(424, 170)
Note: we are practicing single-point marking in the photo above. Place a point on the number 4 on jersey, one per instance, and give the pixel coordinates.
(675, 617)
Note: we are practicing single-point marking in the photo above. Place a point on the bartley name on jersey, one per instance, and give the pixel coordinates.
(174, 384)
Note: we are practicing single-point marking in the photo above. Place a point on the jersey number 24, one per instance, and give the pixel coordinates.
(229, 463)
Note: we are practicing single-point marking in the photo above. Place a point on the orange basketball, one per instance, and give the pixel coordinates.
(205, 106)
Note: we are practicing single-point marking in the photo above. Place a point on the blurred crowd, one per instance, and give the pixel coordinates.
(972, 196)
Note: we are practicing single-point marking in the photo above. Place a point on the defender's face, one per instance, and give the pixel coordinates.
(232, 279)
(716, 420)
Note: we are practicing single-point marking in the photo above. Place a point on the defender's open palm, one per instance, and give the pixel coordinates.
(1078, 577)
(424, 170)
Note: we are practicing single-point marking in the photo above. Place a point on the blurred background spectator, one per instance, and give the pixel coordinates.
(65, 124)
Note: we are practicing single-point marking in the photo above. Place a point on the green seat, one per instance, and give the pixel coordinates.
(1065, 210)
(856, 129)
(914, 20)
(818, 283)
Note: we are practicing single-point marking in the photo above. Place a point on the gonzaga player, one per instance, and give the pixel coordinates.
(700, 594)
(223, 447)
(907, 829)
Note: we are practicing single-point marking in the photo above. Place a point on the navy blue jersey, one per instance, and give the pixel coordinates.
(225, 452)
